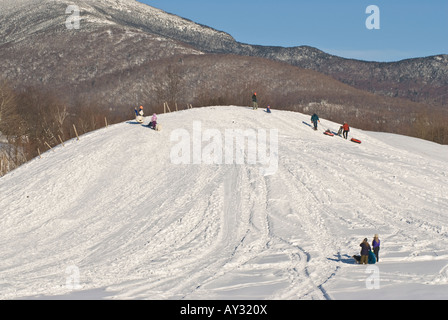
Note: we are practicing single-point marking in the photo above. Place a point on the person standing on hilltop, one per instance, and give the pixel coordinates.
(254, 101)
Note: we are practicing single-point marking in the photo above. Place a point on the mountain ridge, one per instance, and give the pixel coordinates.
(419, 79)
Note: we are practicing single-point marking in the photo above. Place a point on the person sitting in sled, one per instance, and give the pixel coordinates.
(268, 109)
(139, 114)
(315, 120)
(153, 123)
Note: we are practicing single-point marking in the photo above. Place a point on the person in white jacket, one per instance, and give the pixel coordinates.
(139, 114)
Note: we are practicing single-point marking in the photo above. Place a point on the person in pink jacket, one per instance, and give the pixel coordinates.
(153, 121)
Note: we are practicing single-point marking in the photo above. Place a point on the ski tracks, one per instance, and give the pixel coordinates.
(309, 247)
(211, 238)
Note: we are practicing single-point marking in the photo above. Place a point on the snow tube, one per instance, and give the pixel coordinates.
(372, 258)
(356, 140)
(329, 133)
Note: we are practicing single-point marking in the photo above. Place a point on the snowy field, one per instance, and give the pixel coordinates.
(117, 215)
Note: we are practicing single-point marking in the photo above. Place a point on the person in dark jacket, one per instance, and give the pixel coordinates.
(376, 247)
(254, 101)
(365, 249)
(315, 120)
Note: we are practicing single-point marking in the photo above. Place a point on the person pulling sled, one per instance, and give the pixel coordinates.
(315, 119)
(346, 129)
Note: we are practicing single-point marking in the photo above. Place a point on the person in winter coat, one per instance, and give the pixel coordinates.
(315, 120)
(376, 247)
(346, 128)
(139, 114)
(268, 109)
(365, 249)
(154, 121)
(254, 101)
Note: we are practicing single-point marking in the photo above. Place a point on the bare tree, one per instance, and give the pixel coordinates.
(9, 118)
(169, 85)
(60, 116)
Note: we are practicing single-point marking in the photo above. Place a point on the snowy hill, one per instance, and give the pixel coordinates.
(116, 216)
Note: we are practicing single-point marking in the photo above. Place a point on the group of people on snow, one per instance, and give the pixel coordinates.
(367, 255)
(139, 117)
(343, 130)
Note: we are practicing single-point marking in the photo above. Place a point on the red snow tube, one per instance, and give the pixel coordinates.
(329, 133)
(356, 140)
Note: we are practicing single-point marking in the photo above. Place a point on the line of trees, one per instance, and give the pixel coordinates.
(231, 80)
(32, 120)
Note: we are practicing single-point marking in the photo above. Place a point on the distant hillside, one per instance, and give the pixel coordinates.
(127, 54)
(116, 36)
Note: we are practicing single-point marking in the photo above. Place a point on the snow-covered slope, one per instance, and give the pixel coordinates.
(114, 216)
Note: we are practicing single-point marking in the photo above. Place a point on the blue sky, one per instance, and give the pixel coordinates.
(408, 29)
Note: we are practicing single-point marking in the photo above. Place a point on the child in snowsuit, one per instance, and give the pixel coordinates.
(365, 249)
(153, 121)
